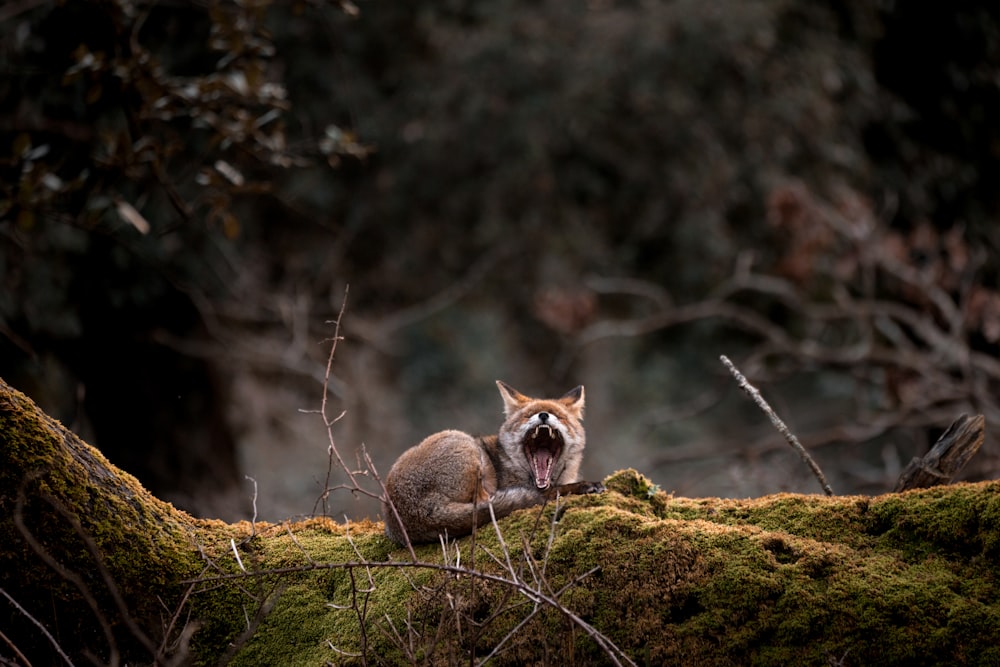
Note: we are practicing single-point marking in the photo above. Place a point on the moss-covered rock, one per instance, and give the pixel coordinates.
(786, 579)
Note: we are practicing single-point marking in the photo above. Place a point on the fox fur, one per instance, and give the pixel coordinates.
(446, 484)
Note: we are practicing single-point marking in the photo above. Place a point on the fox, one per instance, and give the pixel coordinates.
(445, 485)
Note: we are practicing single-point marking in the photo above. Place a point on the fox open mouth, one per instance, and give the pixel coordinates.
(542, 447)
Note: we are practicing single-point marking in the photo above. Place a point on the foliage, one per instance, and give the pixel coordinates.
(132, 135)
(520, 170)
(143, 124)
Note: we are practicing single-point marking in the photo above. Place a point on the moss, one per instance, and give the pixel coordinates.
(779, 580)
(88, 529)
(786, 579)
(313, 620)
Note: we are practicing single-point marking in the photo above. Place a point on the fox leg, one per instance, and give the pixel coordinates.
(575, 488)
(515, 498)
(456, 518)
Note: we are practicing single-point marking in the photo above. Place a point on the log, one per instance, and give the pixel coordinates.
(93, 568)
(91, 564)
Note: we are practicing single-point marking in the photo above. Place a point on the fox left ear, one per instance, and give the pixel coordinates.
(574, 399)
(512, 398)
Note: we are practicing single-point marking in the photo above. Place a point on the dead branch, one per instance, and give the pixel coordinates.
(67, 574)
(48, 635)
(333, 453)
(915, 336)
(332, 450)
(947, 457)
(615, 654)
(778, 424)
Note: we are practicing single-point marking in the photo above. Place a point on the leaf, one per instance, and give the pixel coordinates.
(130, 215)
(230, 172)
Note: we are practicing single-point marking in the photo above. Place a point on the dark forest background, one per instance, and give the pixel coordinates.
(548, 193)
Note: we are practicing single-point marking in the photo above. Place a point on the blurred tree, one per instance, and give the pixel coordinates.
(168, 202)
(131, 133)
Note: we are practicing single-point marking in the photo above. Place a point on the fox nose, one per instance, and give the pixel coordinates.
(544, 416)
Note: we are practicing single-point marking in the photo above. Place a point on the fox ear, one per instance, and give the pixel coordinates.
(573, 399)
(512, 398)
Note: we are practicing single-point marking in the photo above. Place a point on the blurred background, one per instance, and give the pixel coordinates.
(550, 193)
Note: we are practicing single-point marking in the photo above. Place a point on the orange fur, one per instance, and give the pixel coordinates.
(446, 484)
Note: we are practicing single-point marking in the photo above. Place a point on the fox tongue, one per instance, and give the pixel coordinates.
(541, 461)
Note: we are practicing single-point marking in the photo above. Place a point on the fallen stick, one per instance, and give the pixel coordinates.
(778, 424)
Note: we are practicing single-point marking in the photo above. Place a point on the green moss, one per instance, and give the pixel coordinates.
(904, 579)
(779, 580)
(89, 529)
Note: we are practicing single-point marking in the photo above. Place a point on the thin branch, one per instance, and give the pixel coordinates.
(41, 627)
(332, 449)
(186, 632)
(388, 502)
(65, 573)
(751, 391)
(253, 521)
(265, 608)
(13, 647)
(615, 654)
(239, 561)
(112, 586)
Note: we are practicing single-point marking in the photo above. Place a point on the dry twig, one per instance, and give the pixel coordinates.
(778, 423)
(40, 626)
(614, 654)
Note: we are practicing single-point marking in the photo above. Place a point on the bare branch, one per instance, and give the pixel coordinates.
(66, 574)
(253, 521)
(327, 421)
(388, 501)
(40, 626)
(614, 653)
(778, 424)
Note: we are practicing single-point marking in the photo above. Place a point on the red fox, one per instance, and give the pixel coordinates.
(445, 485)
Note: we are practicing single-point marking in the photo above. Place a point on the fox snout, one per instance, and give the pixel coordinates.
(544, 419)
(543, 443)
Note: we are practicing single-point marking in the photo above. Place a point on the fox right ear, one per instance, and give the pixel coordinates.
(512, 398)
(574, 400)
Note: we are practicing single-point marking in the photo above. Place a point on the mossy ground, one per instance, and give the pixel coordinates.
(786, 579)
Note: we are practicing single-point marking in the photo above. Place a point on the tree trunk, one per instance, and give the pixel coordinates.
(114, 575)
(91, 564)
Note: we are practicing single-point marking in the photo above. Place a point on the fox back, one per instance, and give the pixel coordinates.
(447, 483)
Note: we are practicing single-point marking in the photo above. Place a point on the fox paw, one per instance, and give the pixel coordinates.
(580, 488)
